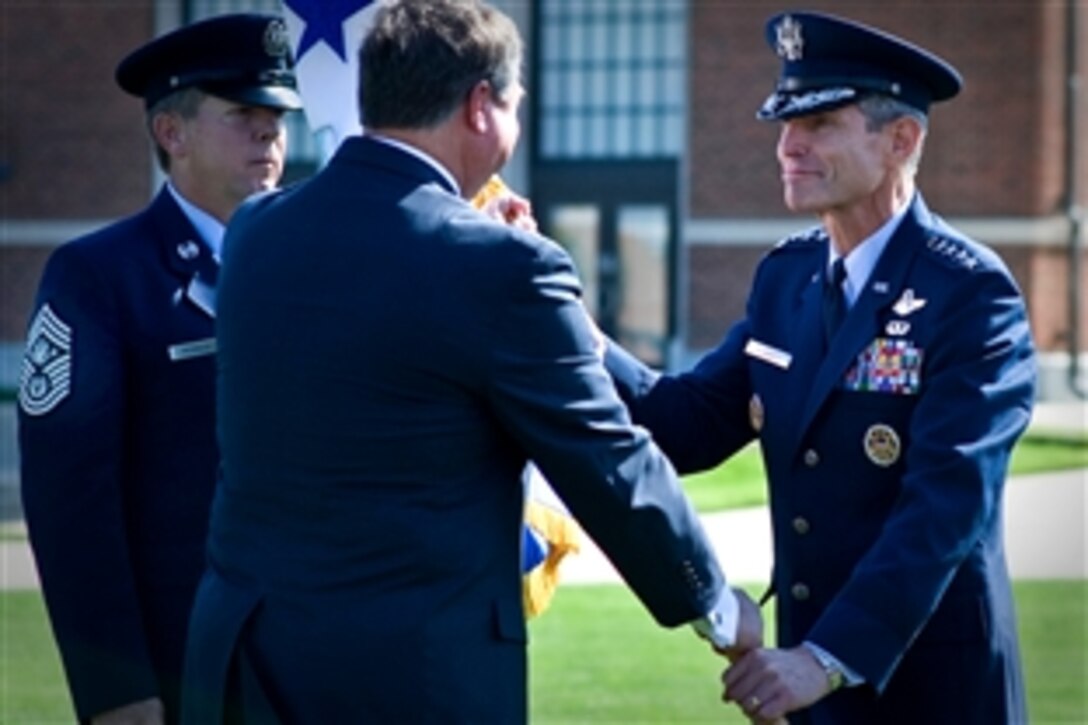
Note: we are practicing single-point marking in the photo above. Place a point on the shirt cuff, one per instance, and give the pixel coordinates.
(719, 625)
(826, 659)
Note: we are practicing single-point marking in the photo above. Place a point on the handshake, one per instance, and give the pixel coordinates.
(766, 684)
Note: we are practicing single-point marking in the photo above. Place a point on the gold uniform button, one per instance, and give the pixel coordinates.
(811, 458)
(799, 592)
(800, 525)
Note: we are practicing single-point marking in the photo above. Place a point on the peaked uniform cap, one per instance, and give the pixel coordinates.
(242, 57)
(828, 62)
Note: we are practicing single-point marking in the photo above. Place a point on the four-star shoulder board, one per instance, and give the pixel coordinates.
(952, 252)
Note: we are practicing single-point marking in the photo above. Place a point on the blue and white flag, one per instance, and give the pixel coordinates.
(325, 38)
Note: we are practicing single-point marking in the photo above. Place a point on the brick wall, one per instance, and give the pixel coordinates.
(718, 284)
(998, 150)
(994, 150)
(73, 140)
(72, 144)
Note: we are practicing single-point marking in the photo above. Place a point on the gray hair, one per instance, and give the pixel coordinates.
(881, 110)
(185, 103)
(421, 58)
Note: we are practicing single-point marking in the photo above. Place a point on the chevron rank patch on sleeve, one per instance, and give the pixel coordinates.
(47, 364)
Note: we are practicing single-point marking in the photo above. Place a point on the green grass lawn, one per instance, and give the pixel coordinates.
(32, 689)
(739, 482)
(597, 657)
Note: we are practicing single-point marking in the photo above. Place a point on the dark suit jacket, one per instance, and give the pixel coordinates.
(389, 361)
(886, 458)
(118, 451)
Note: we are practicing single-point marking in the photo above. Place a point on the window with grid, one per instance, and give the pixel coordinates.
(611, 78)
(303, 153)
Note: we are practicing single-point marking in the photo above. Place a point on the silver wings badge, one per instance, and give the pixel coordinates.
(908, 303)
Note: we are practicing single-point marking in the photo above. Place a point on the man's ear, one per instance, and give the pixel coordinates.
(906, 135)
(477, 107)
(169, 132)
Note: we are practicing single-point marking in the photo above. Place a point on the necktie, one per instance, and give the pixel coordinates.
(834, 307)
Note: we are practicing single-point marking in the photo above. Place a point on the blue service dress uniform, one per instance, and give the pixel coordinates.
(886, 456)
(118, 451)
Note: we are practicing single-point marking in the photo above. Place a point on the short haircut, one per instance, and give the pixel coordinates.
(880, 110)
(185, 103)
(421, 58)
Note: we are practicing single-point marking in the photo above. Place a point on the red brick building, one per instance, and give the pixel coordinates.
(641, 150)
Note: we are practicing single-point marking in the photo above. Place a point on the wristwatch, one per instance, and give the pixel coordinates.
(835, 678)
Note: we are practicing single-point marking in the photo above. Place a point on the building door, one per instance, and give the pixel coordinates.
(618, 221)
(608, 107)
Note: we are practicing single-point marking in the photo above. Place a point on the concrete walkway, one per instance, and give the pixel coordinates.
(1045, 535)
(1045, 522)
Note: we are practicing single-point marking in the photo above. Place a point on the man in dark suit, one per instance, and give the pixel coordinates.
(886, 405)
(390, 358)
(117, 402)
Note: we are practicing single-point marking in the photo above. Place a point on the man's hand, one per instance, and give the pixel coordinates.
(768, 683)
(501, 203)
(144, 712)
(513, 209)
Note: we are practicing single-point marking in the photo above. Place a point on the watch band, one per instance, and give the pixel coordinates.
(835, 677)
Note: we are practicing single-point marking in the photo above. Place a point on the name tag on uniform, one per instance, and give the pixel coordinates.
(189, 350)
(768, 354)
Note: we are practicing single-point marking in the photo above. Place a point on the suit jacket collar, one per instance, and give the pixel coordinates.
(861, 324)
(365, 150)
(185, 254)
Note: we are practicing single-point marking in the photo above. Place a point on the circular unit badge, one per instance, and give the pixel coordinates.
(882, 445)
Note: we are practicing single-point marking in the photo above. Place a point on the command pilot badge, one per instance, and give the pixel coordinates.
(47, 364)
(882, 445)
(908, 303)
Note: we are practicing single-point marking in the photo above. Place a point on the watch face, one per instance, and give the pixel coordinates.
(834, 678)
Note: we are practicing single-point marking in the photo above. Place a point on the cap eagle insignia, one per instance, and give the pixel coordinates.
(789, 44)
(276, 42)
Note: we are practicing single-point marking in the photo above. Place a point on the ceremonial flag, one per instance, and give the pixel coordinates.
(325, 37)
